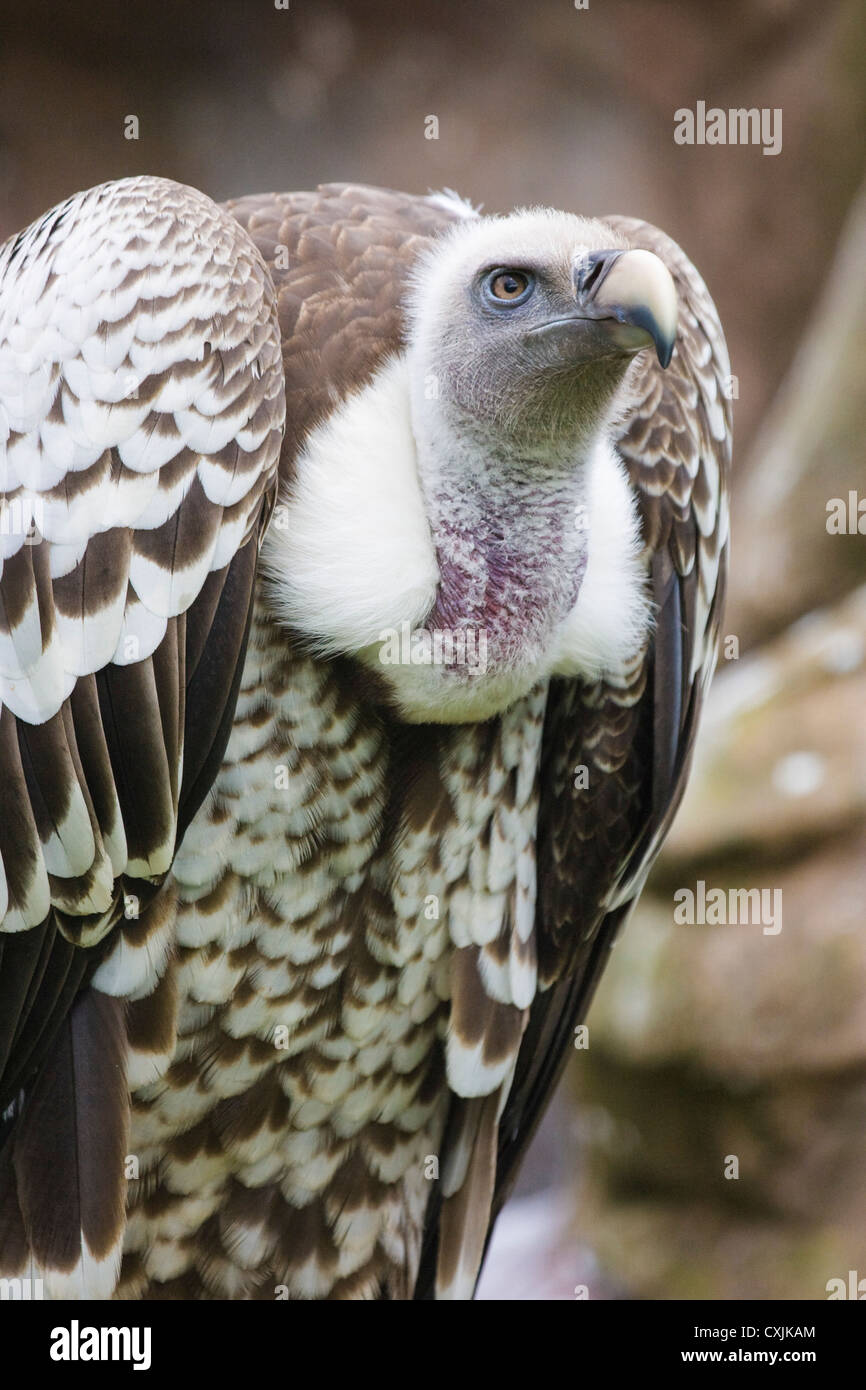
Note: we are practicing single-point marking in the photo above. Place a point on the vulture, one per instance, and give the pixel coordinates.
(362, 568)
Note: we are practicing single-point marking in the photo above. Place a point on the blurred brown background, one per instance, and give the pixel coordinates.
(706, 1042)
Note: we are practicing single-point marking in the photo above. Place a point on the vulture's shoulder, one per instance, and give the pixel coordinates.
(340, 258)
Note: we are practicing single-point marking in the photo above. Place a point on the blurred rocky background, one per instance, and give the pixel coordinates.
(708, 1044)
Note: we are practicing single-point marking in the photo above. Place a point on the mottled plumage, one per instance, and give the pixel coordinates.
(293, 941)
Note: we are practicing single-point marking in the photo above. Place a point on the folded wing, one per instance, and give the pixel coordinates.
(141, 416)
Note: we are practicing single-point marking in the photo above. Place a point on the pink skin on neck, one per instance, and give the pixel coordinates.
(514, 573)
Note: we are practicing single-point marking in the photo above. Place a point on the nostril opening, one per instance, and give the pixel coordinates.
(594, 270)
(589, 280)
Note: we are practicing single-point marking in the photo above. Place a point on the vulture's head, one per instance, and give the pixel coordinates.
(470, 495)
(523, 327)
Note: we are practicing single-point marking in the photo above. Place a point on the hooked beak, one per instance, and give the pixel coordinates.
(625, 300)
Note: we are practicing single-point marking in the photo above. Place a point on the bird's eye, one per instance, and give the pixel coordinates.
(509, 286)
